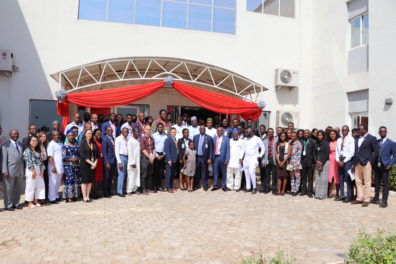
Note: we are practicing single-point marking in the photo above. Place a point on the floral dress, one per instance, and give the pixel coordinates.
(72, 170)
(295, 161)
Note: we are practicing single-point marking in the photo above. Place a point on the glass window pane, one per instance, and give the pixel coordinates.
(224, 20)
(205, 2)
(224, 3)
(255, 5)
(287, 8)
(365, 30)
(148, 12)
(199, 17)
(174, 15)
(355, 32)
(92, 9)
(271, 7)
(120, 11)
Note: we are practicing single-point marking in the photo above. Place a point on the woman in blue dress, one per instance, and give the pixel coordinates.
(71, 161)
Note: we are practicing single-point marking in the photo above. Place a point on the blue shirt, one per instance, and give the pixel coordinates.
(159, 140)
(200, 144)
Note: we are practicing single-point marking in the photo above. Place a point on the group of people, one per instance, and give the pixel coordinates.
(137, 153)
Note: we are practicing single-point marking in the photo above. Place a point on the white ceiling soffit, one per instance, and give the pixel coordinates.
(139, 70)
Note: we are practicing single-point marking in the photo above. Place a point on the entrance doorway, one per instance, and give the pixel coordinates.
(201, 113)
(359, 118)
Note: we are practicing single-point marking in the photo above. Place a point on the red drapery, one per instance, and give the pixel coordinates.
(218, 102)
(213, 101)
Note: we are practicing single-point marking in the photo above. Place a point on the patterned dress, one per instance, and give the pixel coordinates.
(72, 171)
(190, 162)
(295, 161)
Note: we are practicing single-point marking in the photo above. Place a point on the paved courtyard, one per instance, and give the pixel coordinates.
(199, 227)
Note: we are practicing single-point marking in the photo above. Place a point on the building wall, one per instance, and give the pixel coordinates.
(47, 37)
(382, 65)
(330, 78)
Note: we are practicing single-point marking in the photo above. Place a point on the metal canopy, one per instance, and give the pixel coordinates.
(138, 70)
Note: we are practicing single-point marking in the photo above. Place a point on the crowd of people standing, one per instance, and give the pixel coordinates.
(97, 158)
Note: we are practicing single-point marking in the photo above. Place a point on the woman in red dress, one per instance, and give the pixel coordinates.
(97, 186)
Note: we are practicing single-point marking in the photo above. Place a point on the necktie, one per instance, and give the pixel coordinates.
(17, 148)
(217, 145)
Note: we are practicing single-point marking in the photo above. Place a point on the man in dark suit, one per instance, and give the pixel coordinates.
(113, 124)
(221, 155)
(307, 162)
(204, 146)
(31, 131)
(386, 159)
(171, 158)
(366, 153)
(268, 163)
(182, 145)
(13, 171)
(109, 161)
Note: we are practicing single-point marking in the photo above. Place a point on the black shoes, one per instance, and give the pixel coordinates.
(254, 191)
(347, 200)
(295, 194)
(19, 207)
(310, 195)
(375, 201)
(10, 209)
(205, 189)
(215, 189)
(383, 205)
(339, 198)
(120, 195)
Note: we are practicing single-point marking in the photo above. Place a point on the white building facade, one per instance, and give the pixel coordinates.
(342, 53)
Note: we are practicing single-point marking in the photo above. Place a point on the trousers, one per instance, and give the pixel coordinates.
(234, 176)
(35, 188)
(250, 164)
(363, 182)
(54, 181)
(122, 173)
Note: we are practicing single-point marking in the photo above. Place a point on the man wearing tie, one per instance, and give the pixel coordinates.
(221, 159)
(366, 153)
(109, 161)
(13, 171)
(204, 146)
(386, 159)
(170, 151)
(344, 154)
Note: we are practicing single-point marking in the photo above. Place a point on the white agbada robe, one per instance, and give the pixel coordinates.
(54, 150)
(237, 150)
(250, 161)
(133, 180)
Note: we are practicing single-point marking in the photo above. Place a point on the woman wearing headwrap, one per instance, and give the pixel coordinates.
(71, 158)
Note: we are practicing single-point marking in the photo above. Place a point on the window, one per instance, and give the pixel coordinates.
(206, 15)
(285, 8)
(359, 30)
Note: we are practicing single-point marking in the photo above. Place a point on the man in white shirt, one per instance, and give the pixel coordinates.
(133, 181)
(252, 155)
(194, 128)
(128, 124)
(210, 130)
(121, 153)
(94, 122)
(55, 167)
(237, 150)
(159, 162)
(344, 154)
(179, 128)
(77, 123)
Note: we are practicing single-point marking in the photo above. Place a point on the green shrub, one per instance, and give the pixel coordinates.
(280, 258)
(392, 179)
(377, 248)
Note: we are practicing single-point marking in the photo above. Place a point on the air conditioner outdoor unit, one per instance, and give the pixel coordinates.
(286, 78)
(283, 118)
(6, 62)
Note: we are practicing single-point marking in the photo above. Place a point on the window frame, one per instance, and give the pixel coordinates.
(212, 7)
(360, 16)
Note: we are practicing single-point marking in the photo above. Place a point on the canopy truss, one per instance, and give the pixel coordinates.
(138, 70)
